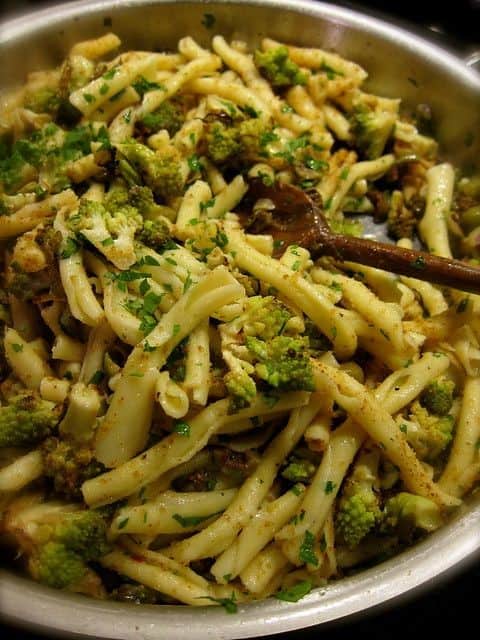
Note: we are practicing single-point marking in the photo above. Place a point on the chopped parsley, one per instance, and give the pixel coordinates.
(307, 553)
(182, 428)
(330, 72)
(229, 604)
(250, 111)
(296, 265)
(142, 85)
(207, 205)
(147, 347)
(329, 486)
(194, 163)
(144, 309)
(70, 247)
(295, 593)
(97, 377)
(108, 75)
(188, 282)
(220, 239)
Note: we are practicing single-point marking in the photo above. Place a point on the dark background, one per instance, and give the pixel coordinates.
(453, 606)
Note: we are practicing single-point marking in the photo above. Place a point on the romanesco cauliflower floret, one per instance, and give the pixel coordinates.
(401, 220)
(27, 419)
(437, 398)
(241, 387)
(265, 318)
(427, 433)
(110, 230)
(160, 170)
(404, 513)
(222, 142)
(278, 68)
(69, 465)
(372, 129)
(359, 509)
(235, 143)
(298, 470)
(155, 234)
(141, 197)
(58, 540)
(262, 345)
(85, 533)
(282, 362)
(250, 132)
(37, 249)
(57, 566)
(167, 116)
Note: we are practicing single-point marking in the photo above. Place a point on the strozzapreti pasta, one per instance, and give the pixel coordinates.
(191, 410)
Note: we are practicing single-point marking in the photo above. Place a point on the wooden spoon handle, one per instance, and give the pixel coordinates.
(405, 262)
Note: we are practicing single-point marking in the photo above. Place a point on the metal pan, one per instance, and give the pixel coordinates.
(401, 64)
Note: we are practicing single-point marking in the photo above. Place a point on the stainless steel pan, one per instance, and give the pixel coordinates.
(400, 64)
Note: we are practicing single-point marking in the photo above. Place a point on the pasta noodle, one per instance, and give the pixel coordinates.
(237, 419)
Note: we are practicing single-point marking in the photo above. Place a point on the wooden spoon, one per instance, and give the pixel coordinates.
(292, 216)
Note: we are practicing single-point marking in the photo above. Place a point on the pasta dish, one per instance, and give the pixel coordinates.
(192, 410)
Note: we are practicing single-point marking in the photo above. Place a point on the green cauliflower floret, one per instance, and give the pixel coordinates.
(233, 142)
(155, 234)
(241, 388)
(437, 398)
(168, 116)
(27, 419)
(427, 433)
(223, 143)
(283, 362)
(33, 269)
(110, 230)
(401, 220)
(276, 66)
(141, 198)
(85, 533)
(57, 566)
(405, 513)
(372, 130)
(265, 317)
(57, 540)
(358, 507)
(298, 470)
(261, 345)
(162, 170)
(250, 132)
(26, 286)
(69, 465)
